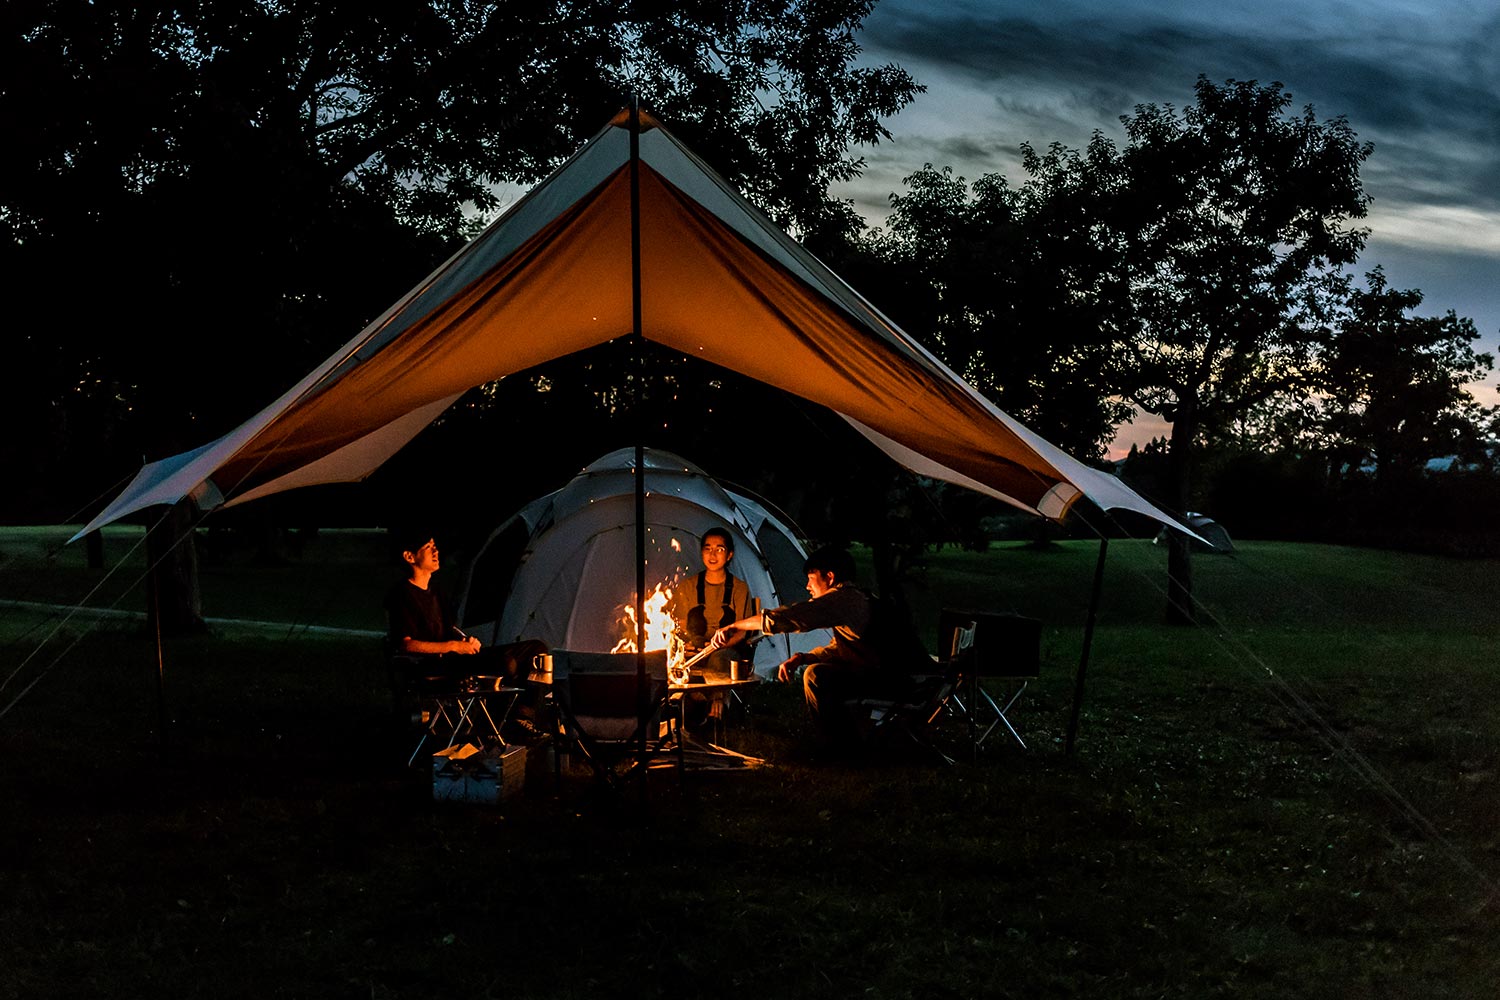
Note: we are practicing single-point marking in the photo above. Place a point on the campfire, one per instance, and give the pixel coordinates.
(661, 631)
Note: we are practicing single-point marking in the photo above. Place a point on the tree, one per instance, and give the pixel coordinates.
(1228, 225)
(1395, 386)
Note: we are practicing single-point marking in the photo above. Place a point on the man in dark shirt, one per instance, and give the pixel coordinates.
(420, 621)
(421, 624)
(870, 654)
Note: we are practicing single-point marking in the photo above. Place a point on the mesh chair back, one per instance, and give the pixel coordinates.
(602, 691)
(1002, 645)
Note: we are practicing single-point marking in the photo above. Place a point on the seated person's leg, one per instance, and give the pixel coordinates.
(827, 686)
(700, 708)
(511, 661)
(515, 662)
(696, 709)
(449, 666)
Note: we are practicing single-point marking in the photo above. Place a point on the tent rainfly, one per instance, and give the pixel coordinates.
(556, 274)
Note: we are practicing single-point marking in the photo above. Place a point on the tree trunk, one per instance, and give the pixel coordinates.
(1044, 534)
(887, 559)
(1179, 546)
(172, 584)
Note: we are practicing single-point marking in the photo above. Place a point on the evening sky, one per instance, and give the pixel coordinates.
(1419, 80)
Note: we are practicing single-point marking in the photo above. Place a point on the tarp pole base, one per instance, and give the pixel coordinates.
(1088, 642)
(161, 669)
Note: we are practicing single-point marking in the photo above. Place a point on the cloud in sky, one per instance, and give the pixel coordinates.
(1423, 85)
(1419, 80)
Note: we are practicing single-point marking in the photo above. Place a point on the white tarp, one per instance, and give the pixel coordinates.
(553, 276)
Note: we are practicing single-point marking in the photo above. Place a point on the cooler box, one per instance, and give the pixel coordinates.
(468, 774)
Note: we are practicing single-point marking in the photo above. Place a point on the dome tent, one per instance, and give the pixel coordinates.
(1213, 537)
(562, 568)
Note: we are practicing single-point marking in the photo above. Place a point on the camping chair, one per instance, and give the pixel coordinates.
(1007, 649)
(914, 714)
(601, 710)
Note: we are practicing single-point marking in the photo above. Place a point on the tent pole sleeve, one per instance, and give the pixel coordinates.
(640, 423)
(1088, 642)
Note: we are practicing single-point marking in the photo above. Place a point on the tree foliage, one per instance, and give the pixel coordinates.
(1394, 386)
(1231, 222)
(425, 105)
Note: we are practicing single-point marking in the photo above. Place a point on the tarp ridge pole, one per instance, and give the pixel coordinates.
(642, 689)
(1088, 642)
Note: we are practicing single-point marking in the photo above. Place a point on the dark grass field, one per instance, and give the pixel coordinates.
(1300, 798)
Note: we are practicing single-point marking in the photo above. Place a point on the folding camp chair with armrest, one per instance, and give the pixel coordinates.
(917, 710)
(1005, 648)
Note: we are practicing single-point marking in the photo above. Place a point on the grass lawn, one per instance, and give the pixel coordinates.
(1299, 798)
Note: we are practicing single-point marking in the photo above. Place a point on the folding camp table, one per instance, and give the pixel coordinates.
(459, 705)
(708, 756)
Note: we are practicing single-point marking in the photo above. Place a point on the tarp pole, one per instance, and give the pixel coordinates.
(161, 669)
(1088, 642)
(641, 687)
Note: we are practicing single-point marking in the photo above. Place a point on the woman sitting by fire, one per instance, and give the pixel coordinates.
(702, 605)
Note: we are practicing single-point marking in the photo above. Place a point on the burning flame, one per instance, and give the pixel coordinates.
(661, 629)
